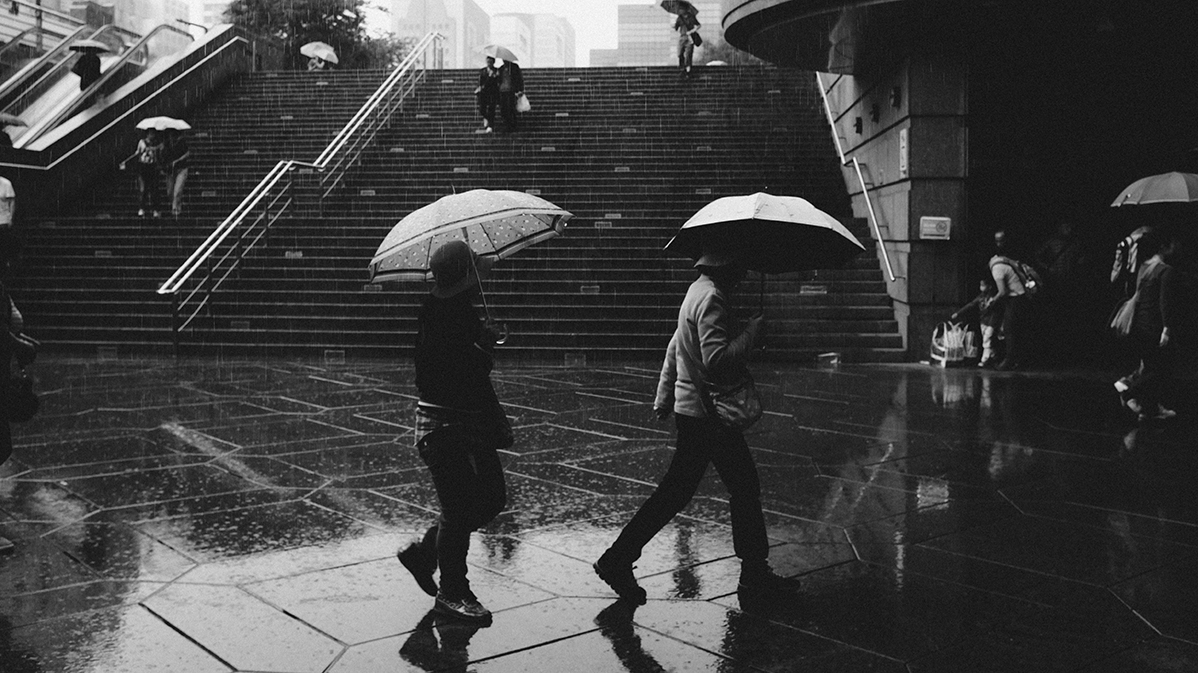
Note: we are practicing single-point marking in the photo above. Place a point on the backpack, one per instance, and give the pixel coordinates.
(1028, 275)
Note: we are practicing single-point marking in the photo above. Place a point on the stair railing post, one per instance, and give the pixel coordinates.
(175, 322)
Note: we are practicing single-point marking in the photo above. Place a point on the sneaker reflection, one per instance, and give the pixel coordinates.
(615, 623)
(439, 643)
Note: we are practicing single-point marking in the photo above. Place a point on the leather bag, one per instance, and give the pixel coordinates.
(736, 406)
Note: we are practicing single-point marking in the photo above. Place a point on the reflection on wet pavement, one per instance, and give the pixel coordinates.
(243, 516)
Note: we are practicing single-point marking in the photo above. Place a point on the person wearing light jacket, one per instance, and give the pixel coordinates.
(706, 348)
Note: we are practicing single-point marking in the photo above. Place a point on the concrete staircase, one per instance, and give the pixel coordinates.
(631, 152)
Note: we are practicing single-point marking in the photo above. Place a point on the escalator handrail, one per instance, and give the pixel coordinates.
(43, 127)
(32, 67)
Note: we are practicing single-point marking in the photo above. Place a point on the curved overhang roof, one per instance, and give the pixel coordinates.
(825, 35)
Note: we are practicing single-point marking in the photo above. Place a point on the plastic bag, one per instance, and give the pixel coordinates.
(523, 104)
(948, 344)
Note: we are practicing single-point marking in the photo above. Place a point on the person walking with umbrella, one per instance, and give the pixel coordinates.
(687, 27)
(460, 428)
(511, 86)
(487, 93)
(707, 350)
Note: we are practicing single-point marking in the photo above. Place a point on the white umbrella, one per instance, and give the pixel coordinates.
(319, 50)
(500, 52)
(1164, 188)
(163, 124)
(771, 234)
(495, 223)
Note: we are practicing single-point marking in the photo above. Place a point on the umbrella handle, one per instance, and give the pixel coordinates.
(499, 328)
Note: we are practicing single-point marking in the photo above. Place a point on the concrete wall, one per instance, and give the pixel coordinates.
(912, 147)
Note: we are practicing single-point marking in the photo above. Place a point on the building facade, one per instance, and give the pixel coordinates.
(466, 27)
(540, 40)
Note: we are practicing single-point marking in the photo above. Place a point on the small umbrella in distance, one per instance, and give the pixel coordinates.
(89, 45)
(163, 124)
(1171, 187)
(319, 50)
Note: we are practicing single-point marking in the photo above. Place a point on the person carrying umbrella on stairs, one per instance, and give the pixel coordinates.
(487, 93)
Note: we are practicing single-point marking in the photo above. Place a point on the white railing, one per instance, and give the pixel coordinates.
(846, 161)
(192, 285)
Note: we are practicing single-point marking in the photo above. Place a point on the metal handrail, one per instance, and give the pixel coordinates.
(869, 206)
(361, 128)
(44, 127)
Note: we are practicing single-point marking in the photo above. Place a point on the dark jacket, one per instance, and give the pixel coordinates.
(88, 69)
(1155, 307)
(511, 80)
(488, 81)
(453, 355)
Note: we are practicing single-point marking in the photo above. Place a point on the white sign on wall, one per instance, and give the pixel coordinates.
(902, 153)
(935, 228)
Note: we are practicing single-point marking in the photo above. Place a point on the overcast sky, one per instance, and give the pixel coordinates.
(594, 21)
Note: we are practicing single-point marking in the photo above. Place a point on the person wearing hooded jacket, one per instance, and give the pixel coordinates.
(707, 347)
(460, 428)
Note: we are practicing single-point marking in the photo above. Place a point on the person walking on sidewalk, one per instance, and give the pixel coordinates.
(460, 428)
(705, 349)
(1153, 330)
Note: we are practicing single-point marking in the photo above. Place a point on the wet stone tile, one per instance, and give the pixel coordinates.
(617, 650)
(89, 451)
(1155, 654)
(373, 509)
(116, 550)
(377, 599)
(750, 640)
(275, 432)
(245, 531)
(262, 638)
(121, 639)
(1064, 550)
(550, 437)
(575, 477)
(151, 486)
(1165, 598)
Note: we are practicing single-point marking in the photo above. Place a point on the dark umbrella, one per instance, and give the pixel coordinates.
(678, 7)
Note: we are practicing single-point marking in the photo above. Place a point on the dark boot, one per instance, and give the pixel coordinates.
(618, 575)
(759, 578)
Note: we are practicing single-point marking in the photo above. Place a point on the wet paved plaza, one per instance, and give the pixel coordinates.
(205, 516)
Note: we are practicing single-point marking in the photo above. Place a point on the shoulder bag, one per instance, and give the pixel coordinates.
(736, 406)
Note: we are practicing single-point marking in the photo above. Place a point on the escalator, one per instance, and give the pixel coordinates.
(46, 92)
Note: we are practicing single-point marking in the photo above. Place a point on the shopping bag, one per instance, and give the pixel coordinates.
(948, 344)
(1121, 317)
(522, 103)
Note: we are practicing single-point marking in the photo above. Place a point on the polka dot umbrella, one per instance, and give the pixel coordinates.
(495, 223)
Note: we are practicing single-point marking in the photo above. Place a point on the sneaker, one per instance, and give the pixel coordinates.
(1134, 405)
(417, 562)
(6, 546)
(621, 580)
(141, 212)
(763, 580)
(1121, 385)
(157, 213)
(467, 608)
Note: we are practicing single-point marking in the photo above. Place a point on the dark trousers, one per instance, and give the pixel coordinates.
(702, 441)
(469, 481)
(507, 106)
(1149, 384)
(149, 183)
(1015, 326)
(486, 106)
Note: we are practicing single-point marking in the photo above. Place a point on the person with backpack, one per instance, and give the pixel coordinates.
(1014, 282)
(148, 164)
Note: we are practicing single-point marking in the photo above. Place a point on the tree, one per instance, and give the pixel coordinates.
(339, 23)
